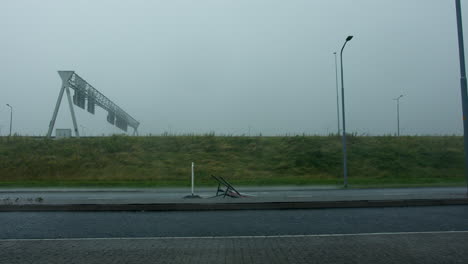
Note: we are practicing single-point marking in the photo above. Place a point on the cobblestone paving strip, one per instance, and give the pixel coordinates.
(436, 247)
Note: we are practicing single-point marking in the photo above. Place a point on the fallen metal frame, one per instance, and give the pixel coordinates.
(230, 190)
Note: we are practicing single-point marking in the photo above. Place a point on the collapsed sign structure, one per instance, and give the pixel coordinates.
(86, 92)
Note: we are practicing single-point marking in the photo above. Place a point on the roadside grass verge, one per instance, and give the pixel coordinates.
(164, 161)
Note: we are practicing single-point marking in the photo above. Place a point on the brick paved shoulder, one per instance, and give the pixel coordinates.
(408, 248)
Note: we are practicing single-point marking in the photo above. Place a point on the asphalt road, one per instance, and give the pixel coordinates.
(366, 235)
(231, 223)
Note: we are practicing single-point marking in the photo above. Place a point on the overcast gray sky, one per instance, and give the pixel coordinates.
(227, 66)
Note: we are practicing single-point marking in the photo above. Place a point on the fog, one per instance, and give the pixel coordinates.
(234, 67)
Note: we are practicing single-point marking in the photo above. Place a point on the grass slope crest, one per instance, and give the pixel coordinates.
(166, 160)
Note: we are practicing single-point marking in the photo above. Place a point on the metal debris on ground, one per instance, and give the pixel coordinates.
(228, 190)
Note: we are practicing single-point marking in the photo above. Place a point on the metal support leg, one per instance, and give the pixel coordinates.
(72, 111)
(54, 115)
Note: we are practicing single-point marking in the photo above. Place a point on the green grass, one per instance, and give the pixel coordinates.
(165, 161)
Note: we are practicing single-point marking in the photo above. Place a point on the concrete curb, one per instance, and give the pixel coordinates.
(231, 206)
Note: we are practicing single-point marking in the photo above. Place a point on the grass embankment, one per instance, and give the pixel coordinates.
(166, 161)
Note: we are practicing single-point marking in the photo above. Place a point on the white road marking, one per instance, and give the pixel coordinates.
(232, 237)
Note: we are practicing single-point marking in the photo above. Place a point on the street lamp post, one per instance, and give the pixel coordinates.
(345, 167)
(11, 116)
(463, 86)
(337, 99)
(398, 113)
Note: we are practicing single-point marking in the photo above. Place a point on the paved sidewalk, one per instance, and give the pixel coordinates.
(430, 247)
(258, 198)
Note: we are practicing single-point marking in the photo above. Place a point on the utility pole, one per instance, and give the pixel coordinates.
(398, 113)
(11, 117)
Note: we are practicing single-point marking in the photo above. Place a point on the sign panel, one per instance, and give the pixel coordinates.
(111, 117)
(91, 105)
(121, 123)
(79, 99)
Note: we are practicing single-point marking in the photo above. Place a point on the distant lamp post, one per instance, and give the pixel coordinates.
(83, 130)
(337, 98)
(345, 167)
(11, 116)
(398, 113)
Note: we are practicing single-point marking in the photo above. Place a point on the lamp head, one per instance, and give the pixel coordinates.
(349, 38)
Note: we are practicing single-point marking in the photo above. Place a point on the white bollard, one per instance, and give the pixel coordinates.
(193, 165)
(193, 184)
